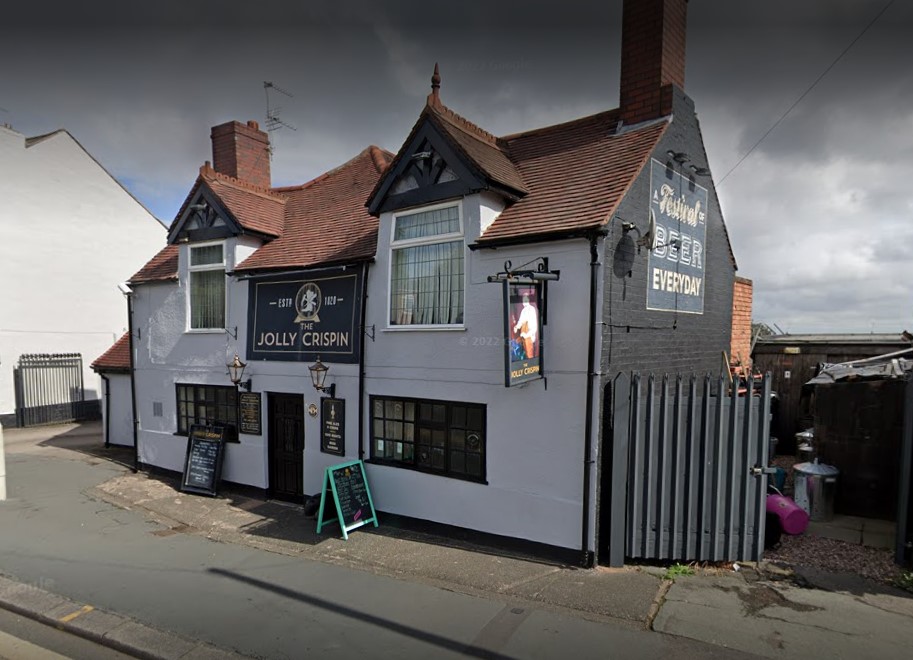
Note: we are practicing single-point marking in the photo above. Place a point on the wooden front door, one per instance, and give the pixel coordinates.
(286, 447)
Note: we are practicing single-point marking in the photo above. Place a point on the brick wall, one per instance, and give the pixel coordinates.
(639, 339)
(742, 292)
(242, 151)
(652, 57)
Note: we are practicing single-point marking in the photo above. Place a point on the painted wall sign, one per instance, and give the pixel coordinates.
(522, 333)
(297, 318)
(346, 485)
(250, 413)
(675, 275)
(203, 460)
(333, 426)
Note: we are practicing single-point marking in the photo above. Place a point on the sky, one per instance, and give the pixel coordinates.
(818, 211)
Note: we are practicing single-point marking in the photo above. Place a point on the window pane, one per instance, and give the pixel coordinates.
(427, 285)
(206, 255)
(427, 223)
(457, 461)
(438, 438)
(440, 414)
(474, 465)
(207, 299)
(474, 418)
(378, 428)
(459, 416)
(457, 438)
(437, 459)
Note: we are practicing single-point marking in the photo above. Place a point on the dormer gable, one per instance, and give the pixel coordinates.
(203, 218)
(444, 157)
(426, 170)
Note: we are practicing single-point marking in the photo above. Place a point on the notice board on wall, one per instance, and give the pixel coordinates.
(203, 460)
(345, 487)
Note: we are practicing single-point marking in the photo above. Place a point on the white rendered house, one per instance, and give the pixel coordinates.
(70, 233)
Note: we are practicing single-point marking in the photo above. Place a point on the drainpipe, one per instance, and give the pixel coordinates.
(107, 409)
(588, 462)
(2, 467)
(361, 361)
(129, 297)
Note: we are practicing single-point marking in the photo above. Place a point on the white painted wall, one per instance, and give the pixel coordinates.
(166, 354)
(535, 437)
(117, 414)
(70, 234)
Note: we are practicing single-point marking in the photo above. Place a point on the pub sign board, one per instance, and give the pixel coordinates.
(675, 273)
(302, 316)
(203, 460)
(522, 333)
(333, 426)
(346, 486)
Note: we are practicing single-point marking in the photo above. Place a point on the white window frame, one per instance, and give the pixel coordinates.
(426, 240)
(191, 269)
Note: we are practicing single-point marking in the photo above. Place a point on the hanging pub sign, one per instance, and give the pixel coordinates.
(522, 333)
(333, 426)
(300, 317)
(675, 273)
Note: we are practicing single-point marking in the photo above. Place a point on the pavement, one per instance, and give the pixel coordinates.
(761, 610)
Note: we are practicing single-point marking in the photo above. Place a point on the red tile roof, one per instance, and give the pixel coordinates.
(479, 146)
(161, 268)
(257, 209)
(116, 358)
(325, 219)
(577, 173)
(321, 222)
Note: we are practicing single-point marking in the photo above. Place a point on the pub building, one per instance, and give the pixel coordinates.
(462, 306)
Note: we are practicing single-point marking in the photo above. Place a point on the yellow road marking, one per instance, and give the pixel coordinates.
(85, 609)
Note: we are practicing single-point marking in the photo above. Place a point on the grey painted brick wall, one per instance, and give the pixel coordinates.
(635, 338)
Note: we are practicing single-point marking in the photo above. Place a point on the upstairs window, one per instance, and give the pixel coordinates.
(426, 273)
(207, 287)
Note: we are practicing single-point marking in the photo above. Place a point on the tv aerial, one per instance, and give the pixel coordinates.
(273, 121)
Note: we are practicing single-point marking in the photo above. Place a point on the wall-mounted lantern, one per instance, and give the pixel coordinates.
(236, 373)
(318, 378)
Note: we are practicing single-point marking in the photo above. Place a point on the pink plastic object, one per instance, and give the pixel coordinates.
(793, 518)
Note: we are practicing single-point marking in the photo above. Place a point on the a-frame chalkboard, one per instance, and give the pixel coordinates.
(347, 485)
(203, 462)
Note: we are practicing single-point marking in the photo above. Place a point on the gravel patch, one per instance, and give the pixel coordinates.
(836, 556)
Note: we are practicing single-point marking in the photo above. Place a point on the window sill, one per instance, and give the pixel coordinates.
(427, 328)
(234, 441)
(204, 331)
(431, 473)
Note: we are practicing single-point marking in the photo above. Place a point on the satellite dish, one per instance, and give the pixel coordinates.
(648, 239)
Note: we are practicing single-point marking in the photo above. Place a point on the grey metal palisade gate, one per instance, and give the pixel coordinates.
(692, 466)
(49, 389)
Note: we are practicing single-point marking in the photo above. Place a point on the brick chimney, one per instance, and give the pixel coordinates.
(652, 57)
(242, 151)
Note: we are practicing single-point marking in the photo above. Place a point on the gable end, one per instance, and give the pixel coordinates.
(426, 170)
(203, 218)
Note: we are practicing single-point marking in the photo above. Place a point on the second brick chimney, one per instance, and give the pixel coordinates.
(242, 151)
(652, 57)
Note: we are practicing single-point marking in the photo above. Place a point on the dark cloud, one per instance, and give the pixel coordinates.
(812, 212)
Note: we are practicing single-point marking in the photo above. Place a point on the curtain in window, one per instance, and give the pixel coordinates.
(427, 284)
(207, 299)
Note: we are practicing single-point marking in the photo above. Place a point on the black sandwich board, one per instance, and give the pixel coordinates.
(203, 462)
(347, 485)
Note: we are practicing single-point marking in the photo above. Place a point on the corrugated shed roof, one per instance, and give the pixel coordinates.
(116, 358)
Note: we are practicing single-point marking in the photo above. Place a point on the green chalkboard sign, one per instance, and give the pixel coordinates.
(203, 461)
(346, 485)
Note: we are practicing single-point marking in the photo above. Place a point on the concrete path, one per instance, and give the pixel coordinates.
(127, 558)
